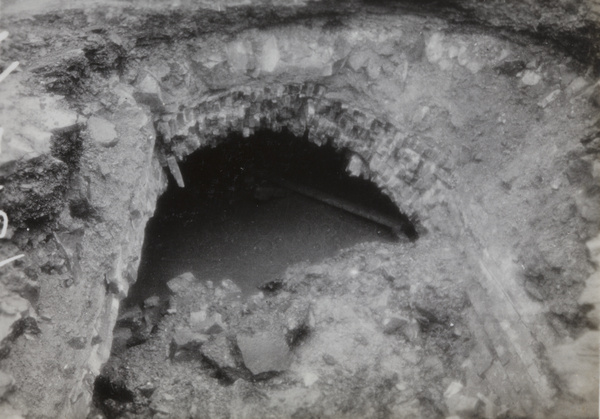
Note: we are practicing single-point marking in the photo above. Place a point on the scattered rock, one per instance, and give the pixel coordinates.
(201, 322)
(530, 78)
(409, 165)
(356, 167)
(309, 378)
(394, 325)
(264, 352)
(238, 55)
(181, 283)
(358, 59)
(102, 132)
(147, 389)
(374, 68)
(148, 92)
(185, 338)
(151, 302)
(576, 86)
(454, 388)
(219, 352)
(549, 99)
(464, 406)
(461, 405)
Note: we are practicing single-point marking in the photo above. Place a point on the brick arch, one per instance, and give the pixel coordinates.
(414, 175)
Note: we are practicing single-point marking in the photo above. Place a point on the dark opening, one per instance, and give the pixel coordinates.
(253, 206)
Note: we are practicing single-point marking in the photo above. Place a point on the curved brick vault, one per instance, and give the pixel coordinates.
(416, 176)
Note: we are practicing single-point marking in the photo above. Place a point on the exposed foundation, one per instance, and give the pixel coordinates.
(480, 135)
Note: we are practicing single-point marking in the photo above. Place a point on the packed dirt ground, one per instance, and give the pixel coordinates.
(479, 121)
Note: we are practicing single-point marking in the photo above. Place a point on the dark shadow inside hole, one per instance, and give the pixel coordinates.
(241, 216)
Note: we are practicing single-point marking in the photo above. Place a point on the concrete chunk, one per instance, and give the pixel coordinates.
(264, 352)
(102, 132)
(180, 284)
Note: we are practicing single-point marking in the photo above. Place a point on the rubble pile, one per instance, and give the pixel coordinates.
(365, 333)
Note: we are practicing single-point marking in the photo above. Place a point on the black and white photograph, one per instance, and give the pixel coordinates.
(299, 209)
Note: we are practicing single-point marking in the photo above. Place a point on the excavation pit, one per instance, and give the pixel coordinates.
(477, 123)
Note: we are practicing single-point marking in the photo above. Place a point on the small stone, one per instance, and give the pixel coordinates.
(530, 78)
(269, 57)
(409, 161)
(464, 406)
(435, 49)
(355, 167)
(182, 283)
(185, 338)
(148, 92)
(395, 325)
(264, 352)
(201, 322)
(147, 389)
(102, 132)
(420, 114)
(6, 383)
(358, 59)
(374, 69)
(219, 352)
(238, 55)
(153, 301)
(576, 86)
(549, 99)
(309, 378)
(454, 388)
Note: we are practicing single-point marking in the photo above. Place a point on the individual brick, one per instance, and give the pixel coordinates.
(409, 162)
(319, 91)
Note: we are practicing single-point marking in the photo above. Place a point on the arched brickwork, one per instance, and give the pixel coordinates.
(416, 176)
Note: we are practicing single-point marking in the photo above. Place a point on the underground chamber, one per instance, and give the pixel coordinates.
(253, 206)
